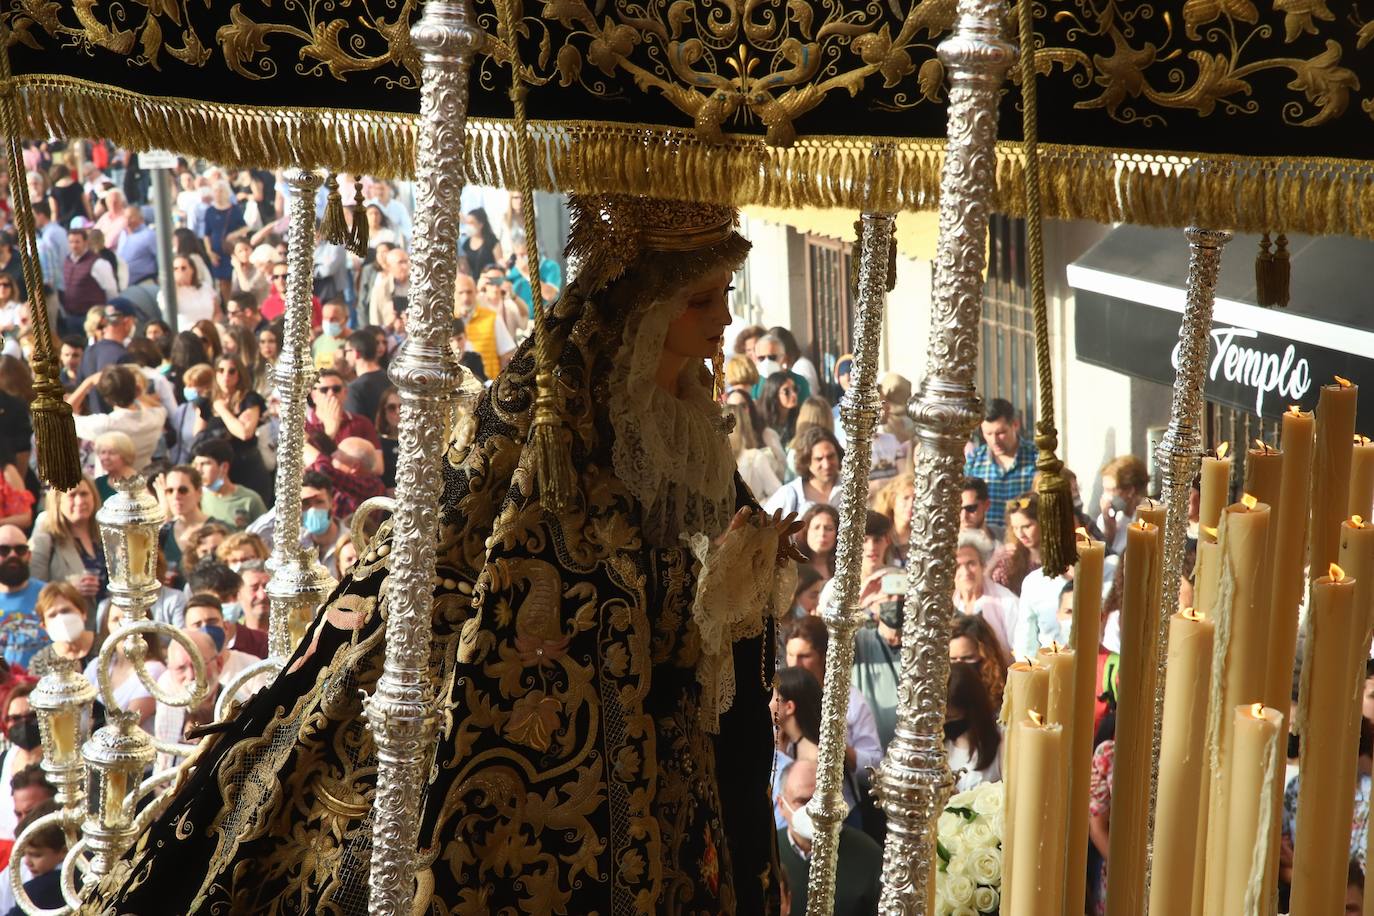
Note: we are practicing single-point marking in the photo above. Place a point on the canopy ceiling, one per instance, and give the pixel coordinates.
(1227, 112)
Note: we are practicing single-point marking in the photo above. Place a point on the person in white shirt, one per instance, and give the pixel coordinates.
(972, 737)
(975, 593)
(140, 418)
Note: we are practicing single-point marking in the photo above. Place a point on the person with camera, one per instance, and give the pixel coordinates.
(877, 657)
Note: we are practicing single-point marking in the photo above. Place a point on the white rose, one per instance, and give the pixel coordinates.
(985, 899)
(958, 865)
(997, 824)
(988, 798)
(960, 890)
(985, 867)
(963, 911)
(979, 835)
(950, 824)
(962, 800)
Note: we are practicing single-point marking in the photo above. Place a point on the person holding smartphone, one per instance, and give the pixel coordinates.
(1124, 480)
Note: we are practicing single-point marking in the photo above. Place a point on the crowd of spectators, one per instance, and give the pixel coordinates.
(195, 412)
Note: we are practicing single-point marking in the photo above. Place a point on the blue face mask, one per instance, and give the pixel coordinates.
(190, 395)
(332, 329)
(233, 611)
(316, 521)
(217, 485)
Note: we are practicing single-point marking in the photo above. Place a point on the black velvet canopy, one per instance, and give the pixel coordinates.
(1253, 115)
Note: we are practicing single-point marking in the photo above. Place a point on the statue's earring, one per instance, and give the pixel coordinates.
(718, 368)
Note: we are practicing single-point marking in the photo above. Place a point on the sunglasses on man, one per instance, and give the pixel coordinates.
(18, 550)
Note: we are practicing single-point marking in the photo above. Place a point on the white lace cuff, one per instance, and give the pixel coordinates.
(738, 585)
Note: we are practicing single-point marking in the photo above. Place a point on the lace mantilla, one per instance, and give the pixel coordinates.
(739, 585)
(671, 453)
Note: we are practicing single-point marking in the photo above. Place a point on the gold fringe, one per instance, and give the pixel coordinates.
(1313, 195)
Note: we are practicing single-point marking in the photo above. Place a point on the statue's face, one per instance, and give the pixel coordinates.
(698, 331)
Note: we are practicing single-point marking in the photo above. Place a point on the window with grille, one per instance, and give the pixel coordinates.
(829, 294)
(1006, 359)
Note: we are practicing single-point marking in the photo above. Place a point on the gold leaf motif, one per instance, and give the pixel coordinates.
(1298, 16)
(1200, 12)
(876, 50)
(678, 14)
(611, 46)
(241, 41)
(932, 79)
(1215, 81)
(169, 8)
(151, 41)
(569, 65)
(1326, 84)
(1121, 74)
(801, 13)
(1365, 35)
(568, 13)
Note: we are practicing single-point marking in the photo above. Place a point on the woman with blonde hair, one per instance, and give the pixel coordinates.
(895, 500)
(201, 543)
(751, 454)
(66, 541)
(115, 453)
(94, 323)
(239, 548)
(740, 375)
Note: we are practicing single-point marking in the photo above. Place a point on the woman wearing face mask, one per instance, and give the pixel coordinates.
(62, 610)
(973, 643)
(236, 409)
(972, 736)
(66, 541)
(26, 748)
(240, 548)
(193, 413)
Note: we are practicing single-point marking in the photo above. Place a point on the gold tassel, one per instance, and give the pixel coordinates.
(54, 431)
(59, 461)
(547, 448)
(358, 237)
(1058, 543)
(334, 226)
(1264, 268)
(718, 370)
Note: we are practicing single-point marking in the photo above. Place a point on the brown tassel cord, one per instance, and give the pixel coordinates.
(358, 237)
(1282, 272)
(1264, 271)
(334, 226)
(552, 463)
(59, 462)
(1058, 545)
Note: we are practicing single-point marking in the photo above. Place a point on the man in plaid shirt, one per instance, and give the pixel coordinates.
(1005, 461)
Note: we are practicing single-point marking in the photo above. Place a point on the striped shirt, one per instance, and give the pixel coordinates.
(1003, 483)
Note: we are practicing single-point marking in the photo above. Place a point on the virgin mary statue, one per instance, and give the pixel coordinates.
(603, 656)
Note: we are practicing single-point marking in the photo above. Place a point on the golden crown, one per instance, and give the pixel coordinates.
(608, 231)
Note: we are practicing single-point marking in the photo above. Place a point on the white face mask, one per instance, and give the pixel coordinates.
(66, 627)
(767, 367)
(801, 822)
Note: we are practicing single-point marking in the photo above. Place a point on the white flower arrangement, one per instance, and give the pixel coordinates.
(968, 879)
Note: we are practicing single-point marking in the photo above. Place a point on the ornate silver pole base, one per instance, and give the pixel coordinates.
(426, 372)
(1180, 454)
(914, 781)
(299, 583)
(859, 413)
